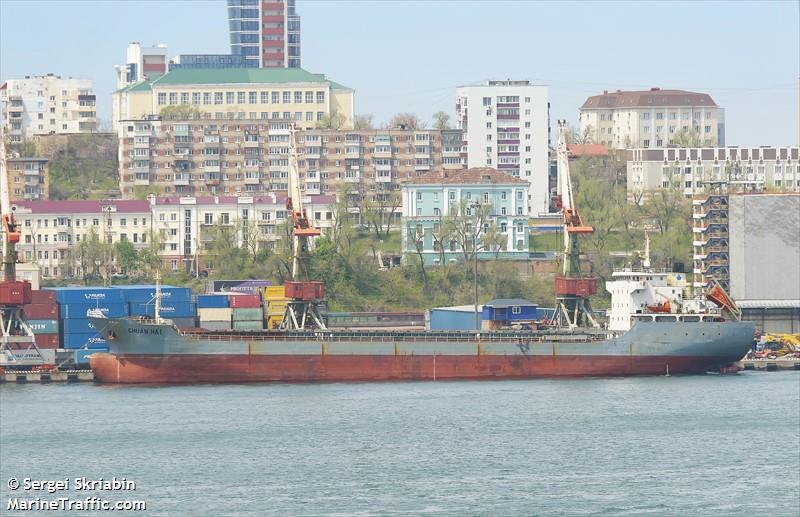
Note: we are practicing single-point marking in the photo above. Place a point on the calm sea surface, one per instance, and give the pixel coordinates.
(696, 445)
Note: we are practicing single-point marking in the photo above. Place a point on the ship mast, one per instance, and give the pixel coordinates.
(572, 288)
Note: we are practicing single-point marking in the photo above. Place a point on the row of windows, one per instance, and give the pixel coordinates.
(468, 212)
(251, 97)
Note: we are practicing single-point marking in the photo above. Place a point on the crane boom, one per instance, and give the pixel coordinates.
(294, 205)
(11, 233)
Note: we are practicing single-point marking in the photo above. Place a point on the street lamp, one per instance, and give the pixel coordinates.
(474, 207)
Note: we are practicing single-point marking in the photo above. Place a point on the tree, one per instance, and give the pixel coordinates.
(150, 256)
(377, 211)
(179, 112)
(334, 120)
(363, 121)
(92, 254)
(441, 120)
(467, 225)
(407, 120)
(686, 138)
(494, 240)
(126, 256)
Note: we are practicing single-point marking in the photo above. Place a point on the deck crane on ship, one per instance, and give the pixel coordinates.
(17, 341)
(573, 308)
(305, 296)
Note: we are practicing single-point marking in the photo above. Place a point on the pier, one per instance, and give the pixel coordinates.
(26, 376)
(770, 365)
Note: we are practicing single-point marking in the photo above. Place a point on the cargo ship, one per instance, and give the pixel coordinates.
(641, 338)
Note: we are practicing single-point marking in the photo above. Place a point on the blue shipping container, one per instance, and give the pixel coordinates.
(44, 326)
(168, 309)
(82, 356)
(81, 310)
(184, 322)
(77, 326)
(451, 318)
(147, 293)
(212, 301)
(87, 294)
(74, 341)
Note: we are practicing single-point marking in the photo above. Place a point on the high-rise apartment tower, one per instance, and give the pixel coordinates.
(265, 32)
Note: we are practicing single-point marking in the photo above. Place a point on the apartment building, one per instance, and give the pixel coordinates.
(506, 125)
(141, 63)
(53, 230)
(694, 170)
(265, 32)
(442, 215)
(200, 157)
(184, 223)
(28, 178)
(651, 118)
(288, 94)
(47, 104)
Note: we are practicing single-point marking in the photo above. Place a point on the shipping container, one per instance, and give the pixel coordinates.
(168, 309)
(85, 295)
(15, 293)
(73, 341)
(305, 290)
(77, 326)
(184, 322)
(81, 310)
(47, 340)
(44, 326)
(214, 314)
(212, 301)
(276, 307)
(244, 301)
(247, 314)
(248, 325)
(40, 311)
(239, 286)
(273, 322)
(143, 294)
(46, 355)
(215, 325)
(275, 292)
(39, 296)
(81, 357)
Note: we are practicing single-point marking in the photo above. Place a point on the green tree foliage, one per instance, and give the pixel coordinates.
(686, 138)
(363, 121)
(126, 256)
(85, 168)
(407, 120)
(441, 120)
(335, 120)
(179, 112)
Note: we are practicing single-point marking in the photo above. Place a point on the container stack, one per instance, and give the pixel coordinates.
(41, 314)
(275, 304)
(176, 302)
(213, 312)
(74, 304)
(247, 313)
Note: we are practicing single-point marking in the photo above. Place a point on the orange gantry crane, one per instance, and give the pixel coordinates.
(572, 288)
(305, 296)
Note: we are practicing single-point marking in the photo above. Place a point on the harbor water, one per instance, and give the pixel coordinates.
(680, 445)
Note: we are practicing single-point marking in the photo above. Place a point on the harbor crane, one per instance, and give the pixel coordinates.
(305, 296)
(573, 308)
(17, 342)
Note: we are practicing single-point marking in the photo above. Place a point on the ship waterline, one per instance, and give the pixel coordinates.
(149, 352)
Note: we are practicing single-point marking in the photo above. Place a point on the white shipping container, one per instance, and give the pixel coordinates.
(215, 314)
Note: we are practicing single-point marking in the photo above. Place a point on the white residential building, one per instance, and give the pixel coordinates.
(692, 170)
(47, 104)
(650, 118)
(141, 63)
(506, 126)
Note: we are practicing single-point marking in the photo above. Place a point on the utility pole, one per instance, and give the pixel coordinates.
(475, 207)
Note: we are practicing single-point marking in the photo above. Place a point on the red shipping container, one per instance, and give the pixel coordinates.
(47, 340)
(576, 286)
(245, 301)
(41, 311)
(43, 296)
(15, 293)
(305, 290)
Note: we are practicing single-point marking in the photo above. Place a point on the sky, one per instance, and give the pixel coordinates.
(407, 56)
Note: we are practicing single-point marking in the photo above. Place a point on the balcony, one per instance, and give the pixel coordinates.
(181, 180)
(212, 179)
(211, 168)
(422, 167)
(352, 179)
(383, 168)
(142, 180)
(32, 172)
(383, 178)
(142, 130)
(254, 179)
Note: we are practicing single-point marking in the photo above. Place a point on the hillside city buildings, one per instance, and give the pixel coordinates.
(506, 126)
(693, 170)
(447, 215)
(266, 33)
(651, 118)
(47, 104)
(287, 94)
(28, 178)
(183, 226)
(141, 63)
(200, 157)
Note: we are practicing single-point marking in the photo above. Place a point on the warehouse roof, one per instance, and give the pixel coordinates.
(501, 303)
(474, 176)
(216, 76)
(654, 97)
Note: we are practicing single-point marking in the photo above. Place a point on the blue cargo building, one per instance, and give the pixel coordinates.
(506, 311)
(460, 317)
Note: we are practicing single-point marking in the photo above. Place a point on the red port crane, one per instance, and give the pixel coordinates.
(306, 296)
(572, 288)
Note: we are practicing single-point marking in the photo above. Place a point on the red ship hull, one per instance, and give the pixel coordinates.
(179, 369)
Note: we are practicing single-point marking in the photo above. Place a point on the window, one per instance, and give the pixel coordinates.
(503, 211)
(419, 211)
(419, 196)
(276, 97)
(452, 195)
(162, 98)
(436, 196)
(516, 310)
(287, 97)
(298, 97)
(241, 97)
(436, 212)
(503, 196)
(218, 98)
(320, 97)
(485, 198)
(487, 101)
(503, 227)
(488, 125)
